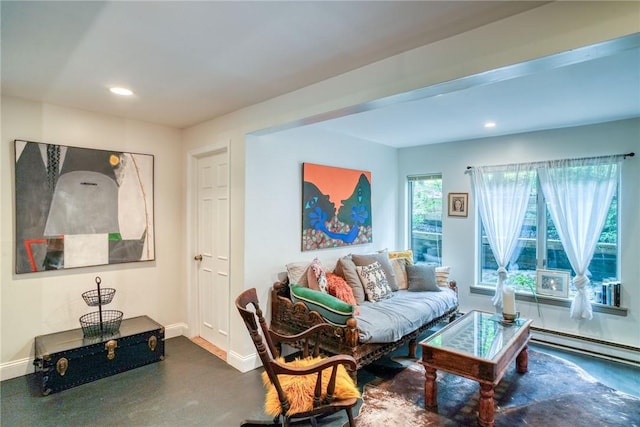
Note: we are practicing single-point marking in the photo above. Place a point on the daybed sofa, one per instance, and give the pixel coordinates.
(373, 329)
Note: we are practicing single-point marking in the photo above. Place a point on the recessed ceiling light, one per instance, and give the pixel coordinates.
(490, 124)
(121, 91)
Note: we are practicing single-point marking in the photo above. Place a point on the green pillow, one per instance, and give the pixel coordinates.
(332, 309)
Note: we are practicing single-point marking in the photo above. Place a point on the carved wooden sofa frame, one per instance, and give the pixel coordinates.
(289, 318)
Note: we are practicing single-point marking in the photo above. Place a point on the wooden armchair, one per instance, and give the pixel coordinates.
(324, 400)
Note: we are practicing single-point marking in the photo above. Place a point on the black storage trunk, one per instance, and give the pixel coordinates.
(67, 359)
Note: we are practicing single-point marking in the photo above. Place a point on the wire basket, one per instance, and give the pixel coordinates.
(92, 327)
(91, 297)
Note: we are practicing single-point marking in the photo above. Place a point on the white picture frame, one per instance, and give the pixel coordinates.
(553, 283)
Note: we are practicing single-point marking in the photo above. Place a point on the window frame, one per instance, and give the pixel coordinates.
(410, 198)
(542, 257)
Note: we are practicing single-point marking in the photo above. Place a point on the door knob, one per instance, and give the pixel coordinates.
(198, 257)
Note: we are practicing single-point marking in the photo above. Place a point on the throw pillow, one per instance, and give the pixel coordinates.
(422, 278)
(316, 276)
(408, 254)
(383, 259)
(299, 389)
(297, 272)
(399, 268)
(374, 280)
(347, 269)
(399, 259)
(339, 288)
(442, 276)
(331, 309)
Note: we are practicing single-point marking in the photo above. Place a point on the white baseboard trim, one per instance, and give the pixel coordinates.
(18, 368)
(598, 348)
(243, 363)
(176, 330)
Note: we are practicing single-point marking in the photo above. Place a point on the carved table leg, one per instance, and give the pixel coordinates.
(413, 344)
(522, 361)
(430, 388)
(486, 410)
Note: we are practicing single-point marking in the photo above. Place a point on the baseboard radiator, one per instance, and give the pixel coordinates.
(591, 346)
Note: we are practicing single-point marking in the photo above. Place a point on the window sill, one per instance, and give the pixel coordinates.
(559, 302)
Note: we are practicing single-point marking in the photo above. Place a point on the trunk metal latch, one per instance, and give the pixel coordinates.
(110, 346)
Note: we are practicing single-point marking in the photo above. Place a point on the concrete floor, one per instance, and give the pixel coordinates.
(191, 387)
(620, 376)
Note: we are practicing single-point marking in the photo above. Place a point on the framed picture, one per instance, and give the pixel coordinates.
(553, 282)
(336, 207)
(458, 204)
(80, 207)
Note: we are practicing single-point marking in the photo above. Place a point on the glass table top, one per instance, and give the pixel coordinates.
(479, 334)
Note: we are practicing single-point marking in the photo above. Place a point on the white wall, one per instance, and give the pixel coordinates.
(273, 195)
(552, 28)
(460, 234)
(39, 303)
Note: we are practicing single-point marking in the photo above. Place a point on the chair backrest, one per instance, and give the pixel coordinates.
(250, 297)
(267, 353)
(322, 402)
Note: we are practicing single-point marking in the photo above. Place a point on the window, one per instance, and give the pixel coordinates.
(539, 246)
(425, 217)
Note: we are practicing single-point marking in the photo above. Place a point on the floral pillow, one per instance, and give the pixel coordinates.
(374, 280)
(317, 277)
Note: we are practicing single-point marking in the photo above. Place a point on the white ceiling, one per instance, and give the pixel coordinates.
(192, 61)
(547, 96)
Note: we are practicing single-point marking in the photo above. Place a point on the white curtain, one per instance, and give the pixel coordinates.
(578, 194)
(502, 194)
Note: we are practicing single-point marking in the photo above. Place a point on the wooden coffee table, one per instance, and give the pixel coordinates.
(478, 346)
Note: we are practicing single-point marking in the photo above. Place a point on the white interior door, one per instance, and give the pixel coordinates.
(212, 253)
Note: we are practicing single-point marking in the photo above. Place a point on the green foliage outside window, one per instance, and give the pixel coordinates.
(425, 195)
(525, 260)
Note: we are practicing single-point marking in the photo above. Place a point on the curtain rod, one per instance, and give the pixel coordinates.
(624, 156)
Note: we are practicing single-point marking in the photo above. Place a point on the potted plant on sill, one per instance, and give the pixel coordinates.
(524, 282)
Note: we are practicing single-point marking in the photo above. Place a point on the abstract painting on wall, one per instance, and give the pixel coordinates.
(336, 207)
(78, 207)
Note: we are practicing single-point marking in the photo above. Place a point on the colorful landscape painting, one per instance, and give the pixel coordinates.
(78, 207)
(336, 207)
